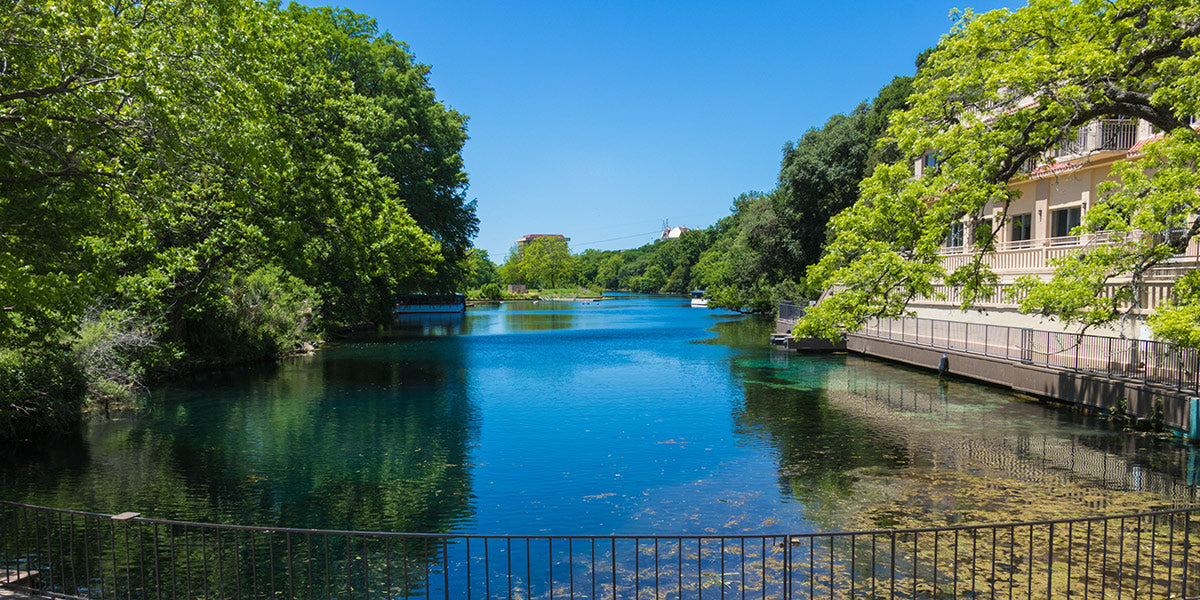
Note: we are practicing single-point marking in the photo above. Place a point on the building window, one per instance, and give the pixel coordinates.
(931, 160)
(1022, 227)
(956, 236)
(1062, 221)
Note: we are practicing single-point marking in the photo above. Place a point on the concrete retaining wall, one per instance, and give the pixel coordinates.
(1093, 391)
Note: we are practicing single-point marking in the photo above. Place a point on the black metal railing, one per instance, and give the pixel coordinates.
(791, 311)
(1147, 361)
(78, 554)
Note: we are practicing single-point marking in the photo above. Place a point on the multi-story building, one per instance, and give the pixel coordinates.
(521, 241)
(1055, 192)
(1119, 369)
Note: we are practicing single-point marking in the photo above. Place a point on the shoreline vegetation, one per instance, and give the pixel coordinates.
(312, 179)
(484, 296)
(750, 260)
(204, 184)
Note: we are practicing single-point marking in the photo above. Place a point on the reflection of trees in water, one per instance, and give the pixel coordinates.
(867, 435)
(931, 422)
(747, 332)
(371, 437)
(819, 447)
(432, 324)
(40, 462)
(538, 321)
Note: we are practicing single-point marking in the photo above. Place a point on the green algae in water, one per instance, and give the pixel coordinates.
(637, 415)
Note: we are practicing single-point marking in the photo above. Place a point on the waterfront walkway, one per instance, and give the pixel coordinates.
(9, 593)
(1141, 378)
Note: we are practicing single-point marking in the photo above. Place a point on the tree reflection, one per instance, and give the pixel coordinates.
(374, 436)
(867, 444)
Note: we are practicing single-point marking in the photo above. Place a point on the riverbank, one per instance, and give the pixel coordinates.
(641, 414)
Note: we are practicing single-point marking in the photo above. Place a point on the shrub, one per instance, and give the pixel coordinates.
(270, 312)
(110, 351)
(251, 315)
(39, 389)
(491, 291)
(1157, 416)
(1120, 410)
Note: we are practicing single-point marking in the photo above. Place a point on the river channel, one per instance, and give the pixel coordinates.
(634, 415)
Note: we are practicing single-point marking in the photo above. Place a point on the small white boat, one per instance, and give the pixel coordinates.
(698, 299)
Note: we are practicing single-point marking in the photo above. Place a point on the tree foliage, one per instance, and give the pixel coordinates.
(1003, 88)
(540, 262)
(224, 171)
(756, 257)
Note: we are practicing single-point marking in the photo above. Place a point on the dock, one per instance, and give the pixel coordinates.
(1127, 378)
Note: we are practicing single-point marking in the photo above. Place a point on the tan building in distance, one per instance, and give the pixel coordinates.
(521, 241)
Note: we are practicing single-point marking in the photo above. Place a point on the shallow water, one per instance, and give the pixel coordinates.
(635, 415)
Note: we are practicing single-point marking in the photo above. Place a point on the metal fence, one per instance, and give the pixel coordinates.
(790, 311)
(77, 554)
(1141, 360)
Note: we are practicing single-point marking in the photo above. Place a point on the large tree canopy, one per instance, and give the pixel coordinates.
(1003, 88)
(214, 174)
(540, 262)
(417, 142)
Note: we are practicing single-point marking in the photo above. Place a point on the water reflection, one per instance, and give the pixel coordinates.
(374, 436)
(640, 415)
(538, 321)
(865, 444)
(431, 324)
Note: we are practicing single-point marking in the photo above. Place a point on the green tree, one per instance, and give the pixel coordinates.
(608, 275)
(221, 173)
(540, 262)
(416, 142)
(652, 281)
(820, 175)
(1078, 61)
(480, 269)
(741, 269)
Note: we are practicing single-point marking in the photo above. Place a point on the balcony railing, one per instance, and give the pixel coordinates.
(1097, 136)
(1031, 256)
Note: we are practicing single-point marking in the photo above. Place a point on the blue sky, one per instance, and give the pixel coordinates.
(599, 120)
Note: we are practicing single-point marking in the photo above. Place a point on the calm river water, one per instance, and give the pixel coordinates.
(634, 415)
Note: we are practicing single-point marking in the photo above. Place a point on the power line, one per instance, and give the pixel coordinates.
(619, 238)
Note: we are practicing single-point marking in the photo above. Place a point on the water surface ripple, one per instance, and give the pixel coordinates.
(635, 415)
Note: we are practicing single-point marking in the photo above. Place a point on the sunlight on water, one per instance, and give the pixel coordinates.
(632, 415)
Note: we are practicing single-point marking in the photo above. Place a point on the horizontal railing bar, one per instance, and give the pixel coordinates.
(477, 536)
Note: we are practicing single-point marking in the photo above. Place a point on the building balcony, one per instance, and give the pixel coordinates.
(1102, 135)
(1014, 258)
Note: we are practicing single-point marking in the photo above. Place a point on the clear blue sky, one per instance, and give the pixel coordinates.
(600, 119)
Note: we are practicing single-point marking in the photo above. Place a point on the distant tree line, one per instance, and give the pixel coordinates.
(205, 181)
(759, 254)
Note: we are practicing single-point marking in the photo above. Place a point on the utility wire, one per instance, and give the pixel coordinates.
(619, 238)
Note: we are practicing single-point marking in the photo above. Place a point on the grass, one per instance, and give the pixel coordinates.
(544, 294)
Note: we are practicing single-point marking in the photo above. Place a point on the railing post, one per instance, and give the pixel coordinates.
(787, 567)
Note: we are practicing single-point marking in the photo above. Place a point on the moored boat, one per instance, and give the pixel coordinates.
(430, 303)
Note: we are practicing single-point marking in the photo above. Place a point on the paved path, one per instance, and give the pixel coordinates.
(11, 594)
(7, 593)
